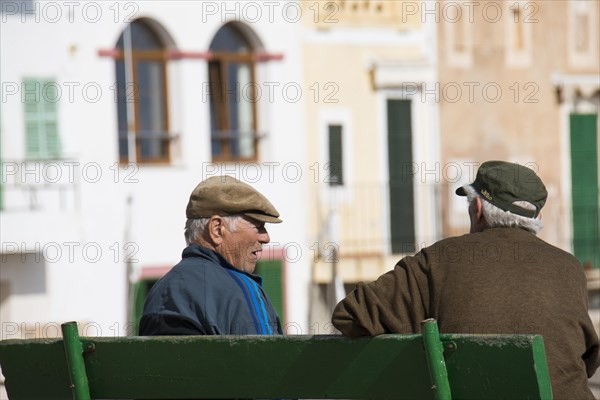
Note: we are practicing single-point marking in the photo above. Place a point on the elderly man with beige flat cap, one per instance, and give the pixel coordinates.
(212, 290)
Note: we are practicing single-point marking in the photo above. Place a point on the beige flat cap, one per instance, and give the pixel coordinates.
(225, 195)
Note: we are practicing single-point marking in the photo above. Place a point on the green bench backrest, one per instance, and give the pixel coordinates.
(384, 367)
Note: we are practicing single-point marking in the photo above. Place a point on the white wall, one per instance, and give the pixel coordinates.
(83, 284)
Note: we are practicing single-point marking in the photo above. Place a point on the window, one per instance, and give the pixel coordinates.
(18, 8)
(582, 34)
(41, 118)
(336, 175)
(518, 46)
(458, 35)
(233, 96)
(142, 96)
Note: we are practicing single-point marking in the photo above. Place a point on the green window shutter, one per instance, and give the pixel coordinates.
(336, 171)
(584, 188)
(402, 223)
(272, 275)
(41, 119)
(32, 95)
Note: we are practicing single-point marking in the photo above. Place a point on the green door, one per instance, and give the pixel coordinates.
(584, 188)
(401, 172)
(272, 275)
(140, 292)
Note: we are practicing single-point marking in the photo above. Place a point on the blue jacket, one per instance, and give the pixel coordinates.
(205, 295)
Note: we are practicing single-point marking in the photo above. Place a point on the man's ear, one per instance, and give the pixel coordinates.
(215, 228)
(480, 222)
(478, 209)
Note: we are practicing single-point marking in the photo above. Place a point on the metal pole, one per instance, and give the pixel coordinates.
(132, 158)
(435, 360)
(75, 364)
(129, 307)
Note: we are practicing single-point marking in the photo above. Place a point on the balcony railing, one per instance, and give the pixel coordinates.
(150, 146)
(356, 219)
(48, 184)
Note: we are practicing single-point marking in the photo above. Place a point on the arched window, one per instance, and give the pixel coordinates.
(233, 94)
(142, 95)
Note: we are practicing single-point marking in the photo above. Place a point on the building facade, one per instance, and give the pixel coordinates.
(367, 131)
(519, 81)
(111, 114)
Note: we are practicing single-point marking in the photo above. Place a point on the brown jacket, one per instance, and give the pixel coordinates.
(502, 280)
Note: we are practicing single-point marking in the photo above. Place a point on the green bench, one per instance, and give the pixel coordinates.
(428, 366)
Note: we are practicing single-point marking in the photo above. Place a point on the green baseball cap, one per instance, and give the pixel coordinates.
(503, 183)
(225, 195)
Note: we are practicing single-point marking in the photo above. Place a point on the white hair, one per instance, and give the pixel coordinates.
(496, 217)
(195, 227)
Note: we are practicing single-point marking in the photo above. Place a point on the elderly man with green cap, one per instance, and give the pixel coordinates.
(499, 278)
(213, 290)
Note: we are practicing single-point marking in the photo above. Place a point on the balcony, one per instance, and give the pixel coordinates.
(40, 185)
(366, 227)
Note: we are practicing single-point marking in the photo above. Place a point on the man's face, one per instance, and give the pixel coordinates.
(241, 247)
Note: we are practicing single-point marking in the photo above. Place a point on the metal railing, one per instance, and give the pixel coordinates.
(40, 184)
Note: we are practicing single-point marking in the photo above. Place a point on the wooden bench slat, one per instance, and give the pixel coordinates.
(35, 369)
(497, 366)
(259, 367)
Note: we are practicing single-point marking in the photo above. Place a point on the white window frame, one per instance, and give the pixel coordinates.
(519, 57)
(454, 58)
(588, 58)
